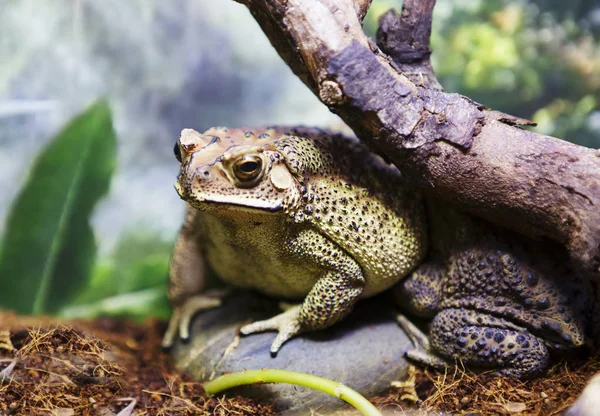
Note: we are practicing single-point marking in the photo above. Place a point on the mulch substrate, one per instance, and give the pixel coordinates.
(101, 367)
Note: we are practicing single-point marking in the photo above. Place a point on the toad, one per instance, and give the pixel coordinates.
(298, 214)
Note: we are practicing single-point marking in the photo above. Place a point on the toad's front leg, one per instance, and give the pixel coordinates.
(331, 298)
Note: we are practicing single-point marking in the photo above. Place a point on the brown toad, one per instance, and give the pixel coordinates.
(297, 214)
(497, 299)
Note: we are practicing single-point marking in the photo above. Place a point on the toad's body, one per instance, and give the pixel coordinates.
(297, 215)
(281, 255)
(304, 215)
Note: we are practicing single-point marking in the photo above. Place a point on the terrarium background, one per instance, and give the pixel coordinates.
(164, 66)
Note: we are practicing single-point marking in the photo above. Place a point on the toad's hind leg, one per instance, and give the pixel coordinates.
(486, 341)
(187, 279)
(420, 293)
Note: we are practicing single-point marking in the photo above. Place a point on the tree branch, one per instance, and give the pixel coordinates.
(405, 38)
(455, 148)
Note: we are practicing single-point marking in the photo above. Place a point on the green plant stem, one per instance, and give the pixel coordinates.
(291, 377)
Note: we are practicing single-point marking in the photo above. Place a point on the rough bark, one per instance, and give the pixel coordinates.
(405, 39)
(455, 148)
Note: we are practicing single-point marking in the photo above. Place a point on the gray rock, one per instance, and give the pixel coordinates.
(365, 352)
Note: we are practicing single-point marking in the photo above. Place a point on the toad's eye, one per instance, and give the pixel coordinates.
(177, 152)
(248, 169)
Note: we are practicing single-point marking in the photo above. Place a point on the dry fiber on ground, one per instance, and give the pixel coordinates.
(100, 367)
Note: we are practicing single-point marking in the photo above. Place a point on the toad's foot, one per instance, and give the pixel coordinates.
(409, 386)
(286, 323)
(422, 352)
(179, 324)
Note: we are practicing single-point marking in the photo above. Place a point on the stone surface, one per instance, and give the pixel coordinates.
(365, 351)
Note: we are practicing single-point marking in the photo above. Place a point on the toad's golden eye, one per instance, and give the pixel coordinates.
(248, 169)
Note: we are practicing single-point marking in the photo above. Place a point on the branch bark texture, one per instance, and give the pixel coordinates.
(455, 148)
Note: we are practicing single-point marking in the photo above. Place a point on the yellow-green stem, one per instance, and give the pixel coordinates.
(291, 377)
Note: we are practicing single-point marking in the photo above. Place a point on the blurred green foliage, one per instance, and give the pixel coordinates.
(49, 246)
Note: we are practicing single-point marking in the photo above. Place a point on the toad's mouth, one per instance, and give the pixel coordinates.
(226, 202)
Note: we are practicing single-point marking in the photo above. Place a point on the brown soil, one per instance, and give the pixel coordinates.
(99, 367)
(461, 392)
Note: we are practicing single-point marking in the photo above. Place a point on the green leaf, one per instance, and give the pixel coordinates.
(49, 247)
(139, 261)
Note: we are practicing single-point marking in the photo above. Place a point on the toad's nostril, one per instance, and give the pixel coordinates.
(204, 174)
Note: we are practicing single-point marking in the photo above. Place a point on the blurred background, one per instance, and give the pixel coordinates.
(164, 66)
